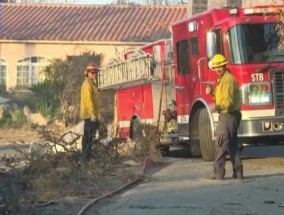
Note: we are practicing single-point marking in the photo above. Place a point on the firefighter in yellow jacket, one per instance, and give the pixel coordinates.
(228, 105)
(89, 109)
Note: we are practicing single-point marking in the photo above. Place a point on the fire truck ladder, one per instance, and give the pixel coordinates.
(132, 71)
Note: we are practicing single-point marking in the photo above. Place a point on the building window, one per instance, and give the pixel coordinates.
(29, 70)
(3, 74)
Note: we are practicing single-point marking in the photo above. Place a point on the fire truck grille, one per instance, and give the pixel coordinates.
(277, 76)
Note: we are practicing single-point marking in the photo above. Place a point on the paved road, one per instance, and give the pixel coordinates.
(180, 187)
(183, 152)
(8, 150)
(248, 152)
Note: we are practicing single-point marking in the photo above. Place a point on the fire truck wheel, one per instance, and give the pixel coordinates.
(205, 136)
(194, 136)
(165, 150)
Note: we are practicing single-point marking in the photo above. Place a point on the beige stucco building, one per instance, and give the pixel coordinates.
(32, 34)
(25, 60)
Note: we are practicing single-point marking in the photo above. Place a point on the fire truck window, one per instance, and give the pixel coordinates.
(255, 43)
(219, 46)
(182, 57)
(194, 46)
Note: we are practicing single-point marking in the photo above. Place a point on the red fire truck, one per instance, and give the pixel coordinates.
(164, 83)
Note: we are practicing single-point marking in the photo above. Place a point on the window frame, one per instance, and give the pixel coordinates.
(3, 78)
(31, 68)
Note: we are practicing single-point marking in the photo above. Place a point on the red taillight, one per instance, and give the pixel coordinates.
(264, 88)
(259, 87)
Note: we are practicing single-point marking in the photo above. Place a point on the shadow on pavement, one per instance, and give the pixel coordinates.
(180, 151)
(262, 176)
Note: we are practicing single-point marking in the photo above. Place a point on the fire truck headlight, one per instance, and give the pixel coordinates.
(257, 94)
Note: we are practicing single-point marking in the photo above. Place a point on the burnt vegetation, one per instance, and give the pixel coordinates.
(49, 171)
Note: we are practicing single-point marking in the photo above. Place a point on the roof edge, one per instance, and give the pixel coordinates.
(90, 5)
(74, 42)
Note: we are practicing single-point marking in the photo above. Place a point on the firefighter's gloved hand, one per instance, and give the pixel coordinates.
(93, 118)
(100, 119)
(218, 108)
(209, 89)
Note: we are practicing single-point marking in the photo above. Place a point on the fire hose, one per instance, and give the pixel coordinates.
(135, 180)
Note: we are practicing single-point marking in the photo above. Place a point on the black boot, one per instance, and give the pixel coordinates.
(238, 174)
(220, 176)
(216, 176)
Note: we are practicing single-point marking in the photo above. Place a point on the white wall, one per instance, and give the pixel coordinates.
(12, 52)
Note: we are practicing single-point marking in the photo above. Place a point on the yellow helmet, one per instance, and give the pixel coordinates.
(218, 60)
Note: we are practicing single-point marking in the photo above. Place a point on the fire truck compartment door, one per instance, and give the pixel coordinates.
(186, 79)
(135, 101)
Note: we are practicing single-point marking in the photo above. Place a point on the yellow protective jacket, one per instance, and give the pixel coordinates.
(227, 94)
(89, 99)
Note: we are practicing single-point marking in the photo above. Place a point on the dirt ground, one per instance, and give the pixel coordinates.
(69, 197)
(82, 187)
(15, 135)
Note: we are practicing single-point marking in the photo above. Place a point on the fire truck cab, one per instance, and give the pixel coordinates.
(248, 38)
(164, 83)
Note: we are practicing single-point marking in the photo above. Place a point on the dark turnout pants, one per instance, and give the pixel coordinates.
(90, 129)
(227, 142)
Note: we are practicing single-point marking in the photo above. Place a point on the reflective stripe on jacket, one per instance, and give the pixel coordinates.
(227, 94)
(89, 99)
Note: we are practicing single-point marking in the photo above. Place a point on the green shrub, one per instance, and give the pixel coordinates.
(66, 78)
(5, 122)
(25, 98)
(58, 95)
(18, 118)
(46, 97)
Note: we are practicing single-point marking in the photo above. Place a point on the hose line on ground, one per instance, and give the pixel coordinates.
(136, 179)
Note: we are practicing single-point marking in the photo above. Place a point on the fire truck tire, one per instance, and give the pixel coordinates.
(194, 136)
(165, 150)
(205, 136)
